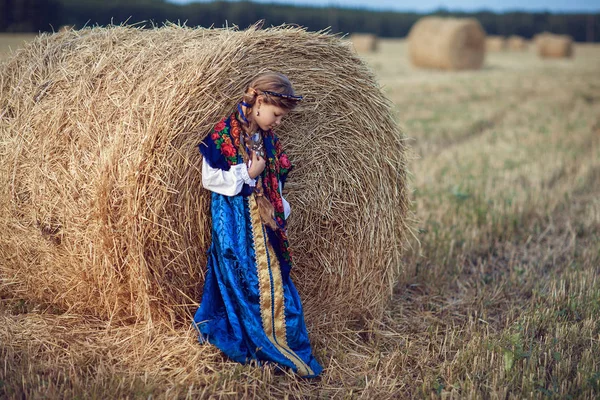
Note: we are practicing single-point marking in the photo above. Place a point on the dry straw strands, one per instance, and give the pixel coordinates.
(495, 43)
(447, 43)
(516, 43)
(102, 210)
(554, 46)
(364, 42)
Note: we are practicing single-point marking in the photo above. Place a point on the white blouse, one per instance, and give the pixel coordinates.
(229, 183)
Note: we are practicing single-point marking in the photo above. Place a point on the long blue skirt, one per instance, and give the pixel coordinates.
(250, 308)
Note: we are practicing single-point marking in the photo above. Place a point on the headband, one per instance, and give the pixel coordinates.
(285, 96)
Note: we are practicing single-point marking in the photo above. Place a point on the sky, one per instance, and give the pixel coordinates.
(451, 5)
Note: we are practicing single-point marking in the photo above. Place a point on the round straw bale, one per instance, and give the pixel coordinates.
(538, 36)
(102, 209)
(516, 43)
(447, 43)
(364, 42)
(495, 43)
(555, 46)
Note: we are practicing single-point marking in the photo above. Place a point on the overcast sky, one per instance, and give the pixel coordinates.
(453, 5)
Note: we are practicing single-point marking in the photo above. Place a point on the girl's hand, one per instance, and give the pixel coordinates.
(257, 166)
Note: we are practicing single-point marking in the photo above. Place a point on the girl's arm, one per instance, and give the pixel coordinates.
(228, 183)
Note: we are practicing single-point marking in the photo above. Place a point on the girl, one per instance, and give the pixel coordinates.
(250, 308)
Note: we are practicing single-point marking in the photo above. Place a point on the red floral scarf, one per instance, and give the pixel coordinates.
(225, 137)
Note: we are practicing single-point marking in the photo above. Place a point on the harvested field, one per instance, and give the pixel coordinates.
(501, 295)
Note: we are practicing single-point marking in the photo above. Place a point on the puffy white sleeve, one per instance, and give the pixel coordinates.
(228, 183)
(286, 206)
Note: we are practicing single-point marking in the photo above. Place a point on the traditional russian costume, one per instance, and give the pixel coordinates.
(250, 308)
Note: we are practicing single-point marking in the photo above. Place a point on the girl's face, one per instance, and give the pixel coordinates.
(269, 116)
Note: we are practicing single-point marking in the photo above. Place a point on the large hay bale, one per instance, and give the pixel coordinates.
(102, 210)
(364, 42)
(516, 43)
(495, 43)
(554, 46)
(447, 43)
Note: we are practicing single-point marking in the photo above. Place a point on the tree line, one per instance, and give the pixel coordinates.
(48, 15)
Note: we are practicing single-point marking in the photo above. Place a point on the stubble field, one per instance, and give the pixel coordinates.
(501, 295)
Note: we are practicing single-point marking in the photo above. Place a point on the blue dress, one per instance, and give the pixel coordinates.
(250, 308)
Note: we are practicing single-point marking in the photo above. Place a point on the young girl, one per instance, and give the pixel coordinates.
(250, 308)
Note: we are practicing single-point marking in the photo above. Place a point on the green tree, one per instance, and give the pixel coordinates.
(35, 15)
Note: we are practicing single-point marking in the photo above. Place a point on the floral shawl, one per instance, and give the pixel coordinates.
(220, 148)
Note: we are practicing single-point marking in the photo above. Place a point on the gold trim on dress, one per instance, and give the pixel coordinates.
(270, 284)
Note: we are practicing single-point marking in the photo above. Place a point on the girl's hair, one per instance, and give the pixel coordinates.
(276, 89)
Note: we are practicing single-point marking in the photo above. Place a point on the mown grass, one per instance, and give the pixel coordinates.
(500, 298)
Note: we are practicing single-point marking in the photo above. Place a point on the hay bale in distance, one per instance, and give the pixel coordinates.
(447, 43)
(495, 43)
(554, 46)
(364, 42)
(538, 36)
(102, 209)
(516, 43)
